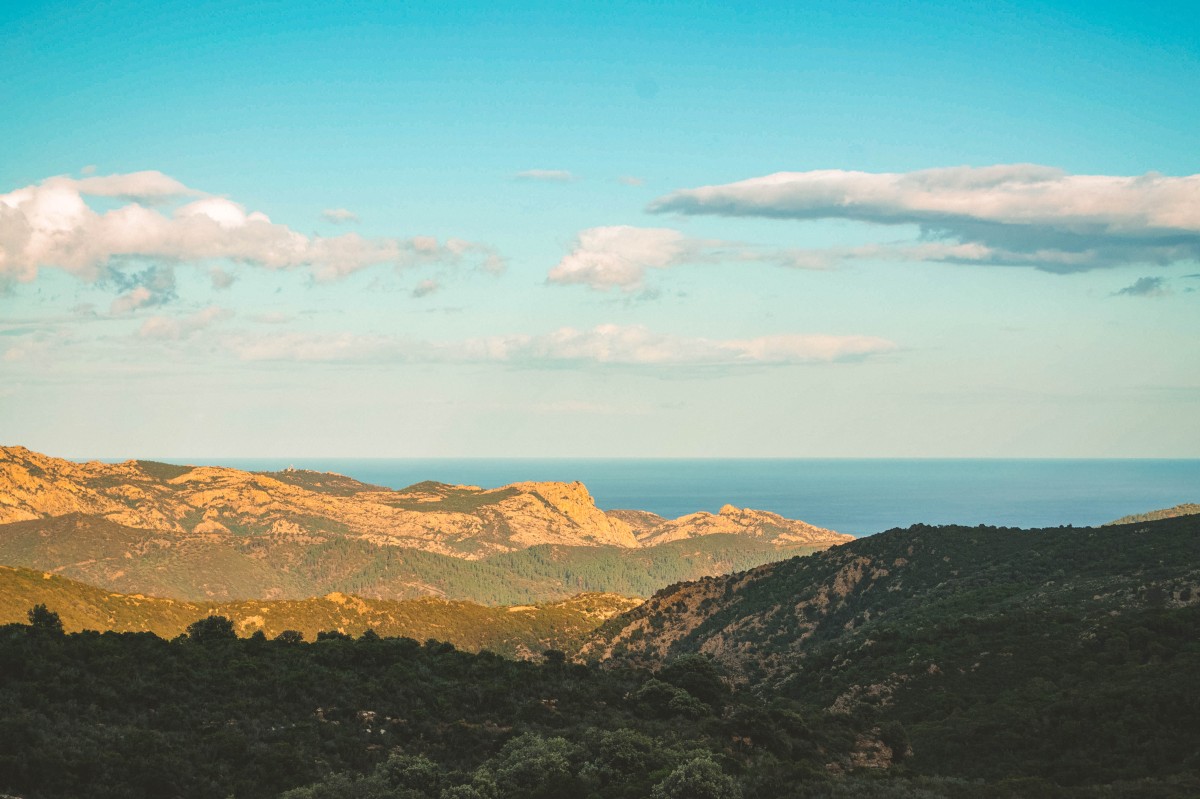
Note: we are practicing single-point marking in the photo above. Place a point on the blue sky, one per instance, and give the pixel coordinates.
(486, 231)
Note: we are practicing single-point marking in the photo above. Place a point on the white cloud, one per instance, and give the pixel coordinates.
(632, 345)
(1020, 214)
(620, 256)
(339, 216)
(333, 347)
(149, 185)
(546, 175)
(630, 180)
(167, 327)
(52, 225)
(130, 301)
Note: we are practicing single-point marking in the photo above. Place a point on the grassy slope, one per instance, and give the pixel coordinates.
(520, 630)
(1186, 509)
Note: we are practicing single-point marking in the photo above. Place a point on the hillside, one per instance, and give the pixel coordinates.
(1000, 651)
(929, 663)
(210, 533)
(515, 631)
(136, 561)
(1186, 509)
(783, 609)
(210, 503)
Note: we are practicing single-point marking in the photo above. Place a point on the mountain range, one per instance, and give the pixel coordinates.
(212, 533)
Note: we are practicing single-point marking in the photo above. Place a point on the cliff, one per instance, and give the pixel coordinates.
(212, 532)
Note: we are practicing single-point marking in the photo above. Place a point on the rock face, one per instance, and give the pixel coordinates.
(741, 521)
(208, 503)
(217, 533)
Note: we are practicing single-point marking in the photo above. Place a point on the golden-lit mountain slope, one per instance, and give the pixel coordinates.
(517, 631)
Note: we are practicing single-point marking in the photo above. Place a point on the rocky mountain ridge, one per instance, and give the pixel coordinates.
(207, 503)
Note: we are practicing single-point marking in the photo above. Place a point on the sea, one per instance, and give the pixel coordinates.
(860, 497)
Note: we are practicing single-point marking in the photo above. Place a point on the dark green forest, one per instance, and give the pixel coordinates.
(928, 662)
(208, 714)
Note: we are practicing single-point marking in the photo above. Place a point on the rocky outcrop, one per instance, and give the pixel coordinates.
(207, 503)
(1186, 509)
(743, 521)
(642, 522)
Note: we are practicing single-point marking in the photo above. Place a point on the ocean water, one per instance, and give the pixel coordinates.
(853, 496)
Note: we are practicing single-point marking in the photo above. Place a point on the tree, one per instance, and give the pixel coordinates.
(700, 778)
(532, 766)
(43, 619)
(290, 637)
(699, 676)
(411, 772)
(214, 628)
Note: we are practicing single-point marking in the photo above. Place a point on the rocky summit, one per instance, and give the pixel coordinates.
(461, 521)
(211, 532)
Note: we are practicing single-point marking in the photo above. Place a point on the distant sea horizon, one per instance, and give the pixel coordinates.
(860, 496)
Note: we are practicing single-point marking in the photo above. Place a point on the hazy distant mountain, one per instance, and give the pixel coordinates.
(211, 533)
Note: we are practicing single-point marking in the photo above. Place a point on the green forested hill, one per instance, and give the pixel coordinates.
(1066, 654)
(515, 631)
(131, 560)
(927, 663)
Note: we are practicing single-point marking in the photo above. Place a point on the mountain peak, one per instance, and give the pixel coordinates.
(255, 519)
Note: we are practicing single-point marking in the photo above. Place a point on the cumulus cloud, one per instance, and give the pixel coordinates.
(546, 175)
(630, 345)
(1144, 287)
(51, 224)
(1018, 214)
(339, 216)
(620, 256)
(173, 328)
(147, 186)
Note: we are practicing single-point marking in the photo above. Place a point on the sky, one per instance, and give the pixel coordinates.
(346, 229)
